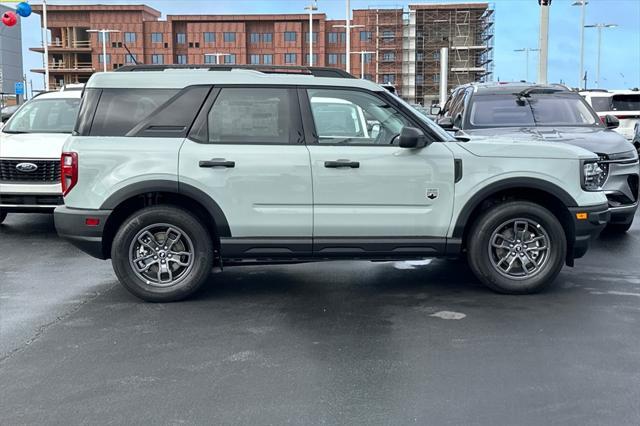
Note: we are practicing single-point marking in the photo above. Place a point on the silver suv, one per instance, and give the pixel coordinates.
(171, 172)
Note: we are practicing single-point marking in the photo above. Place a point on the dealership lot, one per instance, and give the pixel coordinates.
(383, 343)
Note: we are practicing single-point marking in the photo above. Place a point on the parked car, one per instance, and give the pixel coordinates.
(172, 172)
(550, 113)
(623, 104)
(30, 147)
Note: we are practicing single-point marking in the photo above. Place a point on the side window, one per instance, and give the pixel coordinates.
(354, 117)
(120, 110)
(253, 116)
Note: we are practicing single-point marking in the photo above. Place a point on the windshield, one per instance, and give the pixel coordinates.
(426, 120)
(626, 103)
(558, 109)
(44, 116)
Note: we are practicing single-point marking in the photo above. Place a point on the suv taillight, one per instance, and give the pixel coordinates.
(69, 171)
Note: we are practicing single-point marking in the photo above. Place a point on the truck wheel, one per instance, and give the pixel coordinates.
(517, 247)
(3, 215)
(162, 254)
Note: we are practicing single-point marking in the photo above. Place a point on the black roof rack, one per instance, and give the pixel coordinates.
(269, 69)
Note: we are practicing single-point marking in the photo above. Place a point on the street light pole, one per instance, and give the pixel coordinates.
(599, 27)
(544, 40)
(313, 6)
(217, 56)
(362, 53)
(582, 4)
(103, 33)
(45, 37)
(348, 35)
(526, 51)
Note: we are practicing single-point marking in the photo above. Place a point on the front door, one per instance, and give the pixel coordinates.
(370, 195)
(246, 151)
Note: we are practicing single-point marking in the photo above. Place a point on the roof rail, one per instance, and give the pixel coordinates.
(267, 69)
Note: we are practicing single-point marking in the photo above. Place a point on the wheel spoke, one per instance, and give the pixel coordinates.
(146, 266)
(511, 262)
(169, 240)
(147, 239)
(504, 243)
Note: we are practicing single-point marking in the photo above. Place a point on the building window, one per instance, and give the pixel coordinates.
(157, 59)
(156, 37)
(102, 57)
(315, 59)
(365, 35)
(306, 37)
(419, 79)
(254, 38)
(289, 36)
(436, 78)
(420, 56)
(289, 58)
(367, 58)
(181, 59)
(267, 59)
(388, 57)
(229, 37)
(254, 59)
(231, 58)
(129, 37)
(436, 56)
(388, 36)
(388, 78)
(368, 77)
(332, 58)
(130, 58)
(332, 38)
(267, 38)
(343, 58)
(209, 37)
(104, 36)
(210, 59)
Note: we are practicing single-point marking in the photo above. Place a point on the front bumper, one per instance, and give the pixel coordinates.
(622, 190)
(71, 224)
(587, 229)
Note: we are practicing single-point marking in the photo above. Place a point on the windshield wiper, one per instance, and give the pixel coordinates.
(14, 132)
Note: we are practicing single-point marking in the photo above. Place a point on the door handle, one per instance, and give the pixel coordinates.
(341, 163)
(217, 162)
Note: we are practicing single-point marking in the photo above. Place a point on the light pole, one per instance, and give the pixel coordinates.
(217, 56)
(45, 37)
(526, 51)
(103, 33)
(599, 27)
(582, 4)
(544, 40)
(348, 28)
(311, 8)
(362, 53)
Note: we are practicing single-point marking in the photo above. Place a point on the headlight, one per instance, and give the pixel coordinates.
(593, 176)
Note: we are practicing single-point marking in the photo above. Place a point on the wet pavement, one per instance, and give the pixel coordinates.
(330, 343)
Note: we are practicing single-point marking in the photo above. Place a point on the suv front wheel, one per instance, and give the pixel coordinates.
(517, 247)
(162, 254)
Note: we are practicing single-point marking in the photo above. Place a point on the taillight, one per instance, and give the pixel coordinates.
(69, 171)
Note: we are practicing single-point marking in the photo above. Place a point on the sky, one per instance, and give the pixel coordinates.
(517, 26)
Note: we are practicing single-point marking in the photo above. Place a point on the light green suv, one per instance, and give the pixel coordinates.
(171, 172)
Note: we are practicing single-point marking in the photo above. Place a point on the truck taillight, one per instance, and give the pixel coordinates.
(68, 171)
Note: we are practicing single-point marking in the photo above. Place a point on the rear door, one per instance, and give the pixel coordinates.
(246, 151)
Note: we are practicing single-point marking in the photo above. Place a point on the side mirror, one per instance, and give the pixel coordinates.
(611, 121)
(446, 123)
(435, 110)
(410, 137)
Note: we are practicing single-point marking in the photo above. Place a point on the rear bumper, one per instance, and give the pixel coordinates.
(71, 225)
(588, 229)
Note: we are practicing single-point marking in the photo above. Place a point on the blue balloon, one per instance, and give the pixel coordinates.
(23, 9)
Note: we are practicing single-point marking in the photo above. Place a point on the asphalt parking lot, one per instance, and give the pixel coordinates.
(331, 343)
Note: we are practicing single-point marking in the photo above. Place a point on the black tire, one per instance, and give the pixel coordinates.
(483, 258)
(618, 228)
(3, 215)
(195, 239)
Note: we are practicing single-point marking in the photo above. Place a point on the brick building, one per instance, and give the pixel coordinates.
(74, 53)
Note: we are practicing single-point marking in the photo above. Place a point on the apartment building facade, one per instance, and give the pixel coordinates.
(378, 41)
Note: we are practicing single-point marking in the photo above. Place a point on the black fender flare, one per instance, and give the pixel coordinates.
(139, 188)
(502, 185)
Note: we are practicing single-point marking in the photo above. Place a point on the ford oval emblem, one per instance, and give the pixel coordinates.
(26, 167)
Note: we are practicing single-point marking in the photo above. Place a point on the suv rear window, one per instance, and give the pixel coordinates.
(601, 104)
(120, 110)
(626, 102)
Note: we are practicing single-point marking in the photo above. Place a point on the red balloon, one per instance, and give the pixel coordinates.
(9, 19)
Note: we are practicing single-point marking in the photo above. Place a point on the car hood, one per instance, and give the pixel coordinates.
(594, 139)
(32, 145)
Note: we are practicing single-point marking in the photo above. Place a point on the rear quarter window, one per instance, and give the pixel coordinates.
(601, 104)
(626, 102)
(120, 110)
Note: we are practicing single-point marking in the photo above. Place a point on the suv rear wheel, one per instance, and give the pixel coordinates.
(517, 247)
(162, 254)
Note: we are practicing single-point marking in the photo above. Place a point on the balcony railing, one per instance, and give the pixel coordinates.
(78, 44)
(60, 65)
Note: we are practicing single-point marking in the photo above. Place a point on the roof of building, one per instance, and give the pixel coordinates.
(247, 17)
(180, 78)
(447, 6)
(37, 8)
